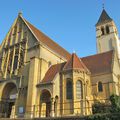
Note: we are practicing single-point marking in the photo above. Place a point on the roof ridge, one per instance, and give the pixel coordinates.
(84, 65)
(47, 41)
(75, 63)
(98, 54)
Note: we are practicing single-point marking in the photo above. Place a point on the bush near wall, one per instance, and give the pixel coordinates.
(114, 116)
(92, 117)
(113, 107)
(115, 103)
(101, 108)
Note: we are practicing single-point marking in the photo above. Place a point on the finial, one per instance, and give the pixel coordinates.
(20, 13)
(103, 5)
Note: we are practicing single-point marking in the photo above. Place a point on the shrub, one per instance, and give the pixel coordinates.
(115, 103)
(100, 108)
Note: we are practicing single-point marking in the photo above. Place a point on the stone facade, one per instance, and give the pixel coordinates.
(38, 78)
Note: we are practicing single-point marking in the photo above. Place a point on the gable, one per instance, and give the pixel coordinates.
(18, 33)
(75, 63)
(42, 38)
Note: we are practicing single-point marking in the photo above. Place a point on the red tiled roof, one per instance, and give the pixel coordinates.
(75, 63)
(52, 71)
(48, 42)
(99, 63)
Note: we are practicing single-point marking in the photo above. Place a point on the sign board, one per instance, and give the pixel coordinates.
(14, 96)
(21, 110)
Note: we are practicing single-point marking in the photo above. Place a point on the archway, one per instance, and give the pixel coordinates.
(45, 100)
(9, 95)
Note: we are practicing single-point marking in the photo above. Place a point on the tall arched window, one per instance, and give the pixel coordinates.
(15, 60)
(79, 92)
(69, 89)
(15, 63)
(107, 30)
(102, 30)
(100, 87)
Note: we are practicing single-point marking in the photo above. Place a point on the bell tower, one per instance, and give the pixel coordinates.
(107, 34)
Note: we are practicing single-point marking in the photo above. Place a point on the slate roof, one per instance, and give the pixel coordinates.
(75, 63)
(99, 63)
(47, 41)
(104, 17)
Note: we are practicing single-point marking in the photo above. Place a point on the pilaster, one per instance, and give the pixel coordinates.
(32, 82)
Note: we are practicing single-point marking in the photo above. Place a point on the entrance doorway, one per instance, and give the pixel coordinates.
(9, 95)
(10, 106)
(46, 99)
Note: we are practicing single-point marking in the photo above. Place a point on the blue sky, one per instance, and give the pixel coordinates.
(70, 23)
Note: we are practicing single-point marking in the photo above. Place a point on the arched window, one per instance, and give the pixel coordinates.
(107, 30)
(69, 89)
(102, 30)
(15, 59)
(100, 87)
(79, 94)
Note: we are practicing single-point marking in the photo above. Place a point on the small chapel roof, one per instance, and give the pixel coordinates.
(96, 64)
(52, 71)
(99, 63)
(47, 41)
(104, 17)
(75, 63)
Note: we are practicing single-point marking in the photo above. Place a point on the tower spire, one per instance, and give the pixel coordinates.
(104, 17)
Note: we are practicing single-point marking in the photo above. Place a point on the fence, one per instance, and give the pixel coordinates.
(54, 109)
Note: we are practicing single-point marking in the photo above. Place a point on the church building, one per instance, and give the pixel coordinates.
(39, 78)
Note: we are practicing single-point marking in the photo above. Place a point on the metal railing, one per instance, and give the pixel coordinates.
(55, 109)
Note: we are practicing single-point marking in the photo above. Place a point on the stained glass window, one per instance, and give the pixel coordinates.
(69, 89)
(79, 94)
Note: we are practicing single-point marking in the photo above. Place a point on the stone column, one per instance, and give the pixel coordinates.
(32, 82)
(52, 107)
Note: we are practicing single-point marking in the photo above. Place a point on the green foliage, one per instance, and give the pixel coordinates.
(115, 103)
(103, 111)
(104, 117)
(100, 108)
(114, 107)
